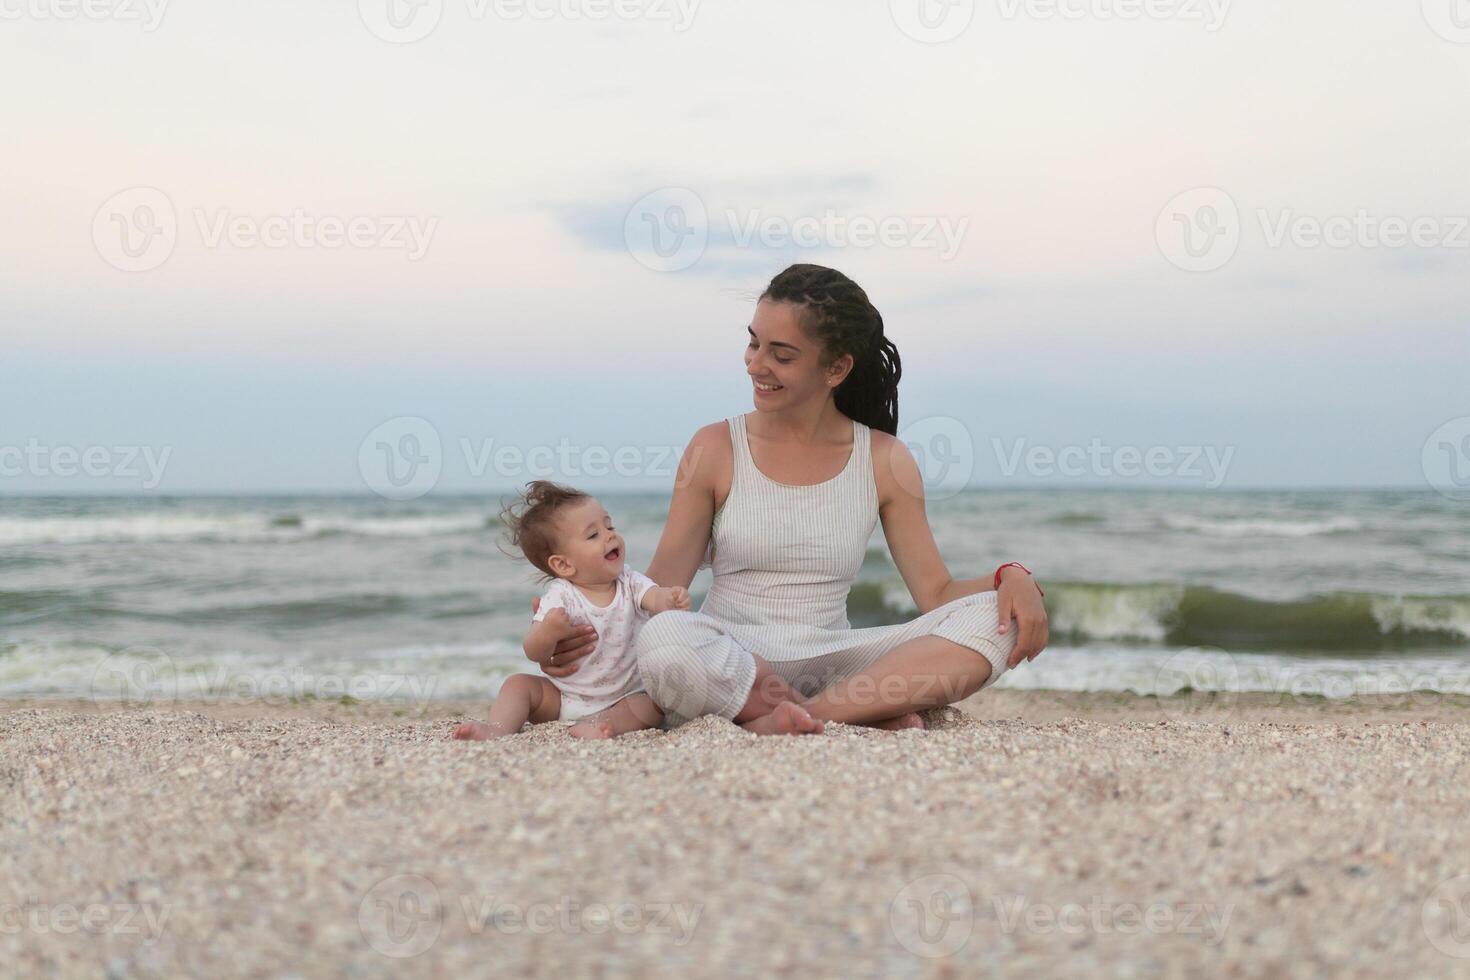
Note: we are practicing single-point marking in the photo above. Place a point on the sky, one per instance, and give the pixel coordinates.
(285, 247)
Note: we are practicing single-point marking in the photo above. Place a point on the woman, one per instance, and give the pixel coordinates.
(781, 504)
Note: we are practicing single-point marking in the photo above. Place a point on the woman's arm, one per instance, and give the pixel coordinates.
(692, 508)
(916, 555)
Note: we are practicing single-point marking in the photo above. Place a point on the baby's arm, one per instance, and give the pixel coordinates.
(657, 599)
(541, 638)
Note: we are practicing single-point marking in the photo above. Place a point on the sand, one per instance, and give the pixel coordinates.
(1040, 834)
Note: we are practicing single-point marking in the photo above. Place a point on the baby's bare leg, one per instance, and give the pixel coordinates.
(522, 698)
(634, 713)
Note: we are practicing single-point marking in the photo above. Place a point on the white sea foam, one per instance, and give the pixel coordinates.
(233, 528)
(1113, 613)
(413, 673)
(1260, 527)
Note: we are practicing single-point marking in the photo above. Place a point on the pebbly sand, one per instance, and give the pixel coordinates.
(1042, 834)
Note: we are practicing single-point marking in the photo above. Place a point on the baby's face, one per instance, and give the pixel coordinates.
(589, 542)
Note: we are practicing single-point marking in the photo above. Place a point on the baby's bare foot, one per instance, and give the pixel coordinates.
(910, 720)
(477, 731)
(592, 729)
(789, 718)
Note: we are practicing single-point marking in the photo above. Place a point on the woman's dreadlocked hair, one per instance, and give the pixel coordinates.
(836, 312)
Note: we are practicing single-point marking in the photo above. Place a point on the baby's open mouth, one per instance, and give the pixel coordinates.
(614, 555)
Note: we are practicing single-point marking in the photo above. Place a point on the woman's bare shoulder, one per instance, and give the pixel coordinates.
(715, 432)
(882, 441)
(893, 464)
(709, 459)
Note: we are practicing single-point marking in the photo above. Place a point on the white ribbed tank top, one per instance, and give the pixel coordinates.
(785, 554)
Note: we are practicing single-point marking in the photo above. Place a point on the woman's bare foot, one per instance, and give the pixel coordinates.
(477, 731)
(789, 718)
(910, 720)
(592, 729)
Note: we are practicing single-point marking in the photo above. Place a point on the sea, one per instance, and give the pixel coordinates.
(1302, 594)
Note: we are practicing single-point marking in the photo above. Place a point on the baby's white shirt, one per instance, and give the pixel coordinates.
(609, 673)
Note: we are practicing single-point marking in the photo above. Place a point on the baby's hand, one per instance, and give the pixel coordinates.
(663, 600)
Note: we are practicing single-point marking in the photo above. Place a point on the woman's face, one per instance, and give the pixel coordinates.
(784, 364)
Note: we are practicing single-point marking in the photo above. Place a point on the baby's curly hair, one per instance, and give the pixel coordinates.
(530, 521)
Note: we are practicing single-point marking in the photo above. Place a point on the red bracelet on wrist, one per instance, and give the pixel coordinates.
(1016, 564)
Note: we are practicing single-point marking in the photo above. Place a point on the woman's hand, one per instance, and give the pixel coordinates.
(573, 642)
(1019, 598)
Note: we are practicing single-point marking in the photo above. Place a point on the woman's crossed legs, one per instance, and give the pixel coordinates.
(692, 664)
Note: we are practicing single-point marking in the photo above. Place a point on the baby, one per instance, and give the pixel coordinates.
(569, 536)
